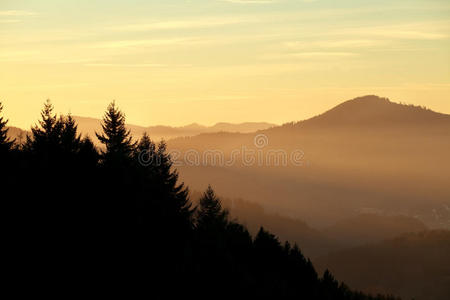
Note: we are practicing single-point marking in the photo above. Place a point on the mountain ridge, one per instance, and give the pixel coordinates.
(379, 166)
(372, 110)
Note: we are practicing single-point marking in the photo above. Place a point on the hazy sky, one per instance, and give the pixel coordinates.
(176, 62)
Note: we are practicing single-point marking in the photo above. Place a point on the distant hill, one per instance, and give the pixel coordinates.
(366, 154)
(18, 134)
(410, 266)
(370, 228)
(90, 125)
(373, 111)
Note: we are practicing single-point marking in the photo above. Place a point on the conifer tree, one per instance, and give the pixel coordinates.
(5, 142)
(45, 137)
(145, 154)
(54, 137)
(88, 152)
(175, 205)
(210, 212)
(146, 144)
(115, 137)
(70, 139)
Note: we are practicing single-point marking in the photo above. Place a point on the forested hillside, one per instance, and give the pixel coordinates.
(121, 216)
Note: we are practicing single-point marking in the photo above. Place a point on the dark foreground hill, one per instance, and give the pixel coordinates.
(412, 266)
(111, 221)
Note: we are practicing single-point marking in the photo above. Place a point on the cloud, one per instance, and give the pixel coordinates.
(412, 31)
(16, 56)
(312, 54)
(321, 54)
(138, 65)
(260, 1)
(250, 1)
(16, 13)
(344, 43)
(185, 24)
(141, 43)
(409, 34)
(9, 21)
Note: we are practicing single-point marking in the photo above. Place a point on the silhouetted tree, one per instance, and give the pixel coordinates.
(210, 213)
(89, 155)
(45, 137)
(70, 139)
(116, 138)
(176, 206)
(5, 142)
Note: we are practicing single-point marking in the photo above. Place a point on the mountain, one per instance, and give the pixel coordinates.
(373, 111)
(90, 125)
(410, 266)
(366, 154)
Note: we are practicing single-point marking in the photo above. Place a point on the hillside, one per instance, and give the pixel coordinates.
(311, 241)
(412, 265)
(366, 154)
(355, 231)
(372, 111)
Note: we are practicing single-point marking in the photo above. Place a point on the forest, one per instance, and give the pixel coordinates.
(82, 217)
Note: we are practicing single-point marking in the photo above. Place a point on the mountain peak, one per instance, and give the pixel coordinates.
(367, 100)
(373, 110)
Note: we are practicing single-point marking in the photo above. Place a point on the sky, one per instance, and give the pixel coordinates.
(176, 62)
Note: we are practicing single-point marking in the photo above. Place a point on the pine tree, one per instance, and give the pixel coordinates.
(146, 144)
(54, 138)
(88, 152)
(116, 138)
(176, 206)
(210, 212)
(145, 153)
(70, 139)
(45, 137)
(5, 142)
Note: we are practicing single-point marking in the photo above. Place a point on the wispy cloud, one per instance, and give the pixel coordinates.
(261, 1)
(16, 56)
(343, 43)
(9, 21)
(412, 31)
(16, 13)
(138, 65)
(184, 24)
(312, 54)
(141, 43)
(250, 1)
(408, 34)
(321, 54)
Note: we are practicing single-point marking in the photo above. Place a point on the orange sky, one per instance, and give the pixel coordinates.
(177, 62)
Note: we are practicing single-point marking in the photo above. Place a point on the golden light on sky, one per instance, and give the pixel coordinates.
(177, 62)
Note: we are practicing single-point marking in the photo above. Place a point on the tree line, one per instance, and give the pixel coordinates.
(80, 216)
